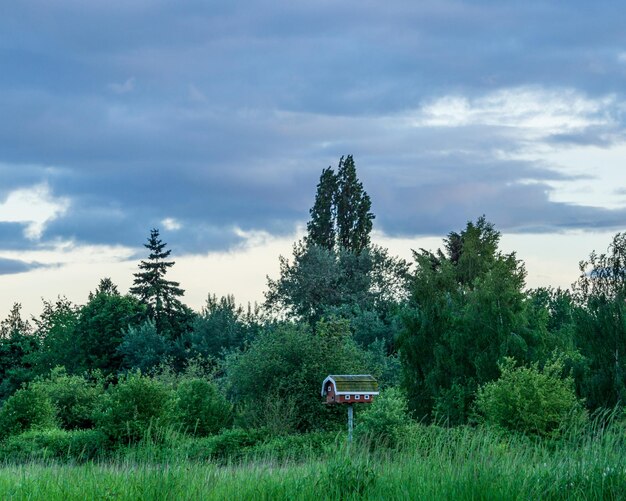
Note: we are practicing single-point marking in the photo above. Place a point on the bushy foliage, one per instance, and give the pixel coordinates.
(134, 406)
(199, 407)
(28, 408)
(101, 325)
(75, 445)
(75, 398)
(600, 325)
(288, 364)
(228, 445)
(221, 326)
(530, 400)
(17, 351)
(55, 328)
(385, 420)
(467, 311)
(143, 348)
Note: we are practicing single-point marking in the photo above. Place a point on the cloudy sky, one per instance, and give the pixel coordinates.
(213, 120)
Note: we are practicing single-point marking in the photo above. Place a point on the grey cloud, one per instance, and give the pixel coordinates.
(235, 108)
(13, 266)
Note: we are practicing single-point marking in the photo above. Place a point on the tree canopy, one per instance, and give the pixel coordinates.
(161, 296)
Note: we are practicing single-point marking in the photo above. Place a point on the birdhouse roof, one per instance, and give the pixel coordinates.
(353, 384)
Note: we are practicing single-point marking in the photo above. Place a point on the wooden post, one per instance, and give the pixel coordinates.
(350, 422)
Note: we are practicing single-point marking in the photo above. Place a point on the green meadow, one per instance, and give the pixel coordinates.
(432, 463)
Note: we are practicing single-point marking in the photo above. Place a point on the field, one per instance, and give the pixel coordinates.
(433, 463)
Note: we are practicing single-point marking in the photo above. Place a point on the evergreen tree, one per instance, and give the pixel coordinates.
(160, 296)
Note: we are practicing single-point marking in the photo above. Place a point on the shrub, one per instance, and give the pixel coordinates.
(530, 400)
(385, 420)
(285, 365)
(76, 445)
(27, 408)
(133, 407)
(228, 445)
(200, 408)
(74, 397)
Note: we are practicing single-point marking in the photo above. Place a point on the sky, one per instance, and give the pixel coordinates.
(213, 120)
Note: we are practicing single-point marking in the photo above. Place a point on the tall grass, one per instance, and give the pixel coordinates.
(432, 463)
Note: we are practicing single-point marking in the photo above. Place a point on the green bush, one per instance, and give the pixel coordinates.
(200, 408)
(133, 407)
(385, 420)
(276, 381)
(74, 397)
(228, 445)
(76, 445)
(28, 408)
(530, 400)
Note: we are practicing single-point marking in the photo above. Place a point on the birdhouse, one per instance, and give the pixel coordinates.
(350, 389)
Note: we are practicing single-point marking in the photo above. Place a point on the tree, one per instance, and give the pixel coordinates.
(600, 320)
(467, 311)
(354, 219)
(101, 326)
(321, 282)
(55, 330)
(276, 380)
(321, 227)
(17, 346)
(221, 326)
(340, 216)
(142, 348)
(14, 323)
(160, 296)
(335, 270)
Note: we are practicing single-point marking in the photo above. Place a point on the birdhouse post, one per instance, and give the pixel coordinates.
(349, 389)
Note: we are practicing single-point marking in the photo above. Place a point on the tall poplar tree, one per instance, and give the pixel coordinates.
(161, 296)
(341, 216)
(321, 227)
(354, 219)
(335, 270)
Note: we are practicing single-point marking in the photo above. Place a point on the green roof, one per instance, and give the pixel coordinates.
(353, 383)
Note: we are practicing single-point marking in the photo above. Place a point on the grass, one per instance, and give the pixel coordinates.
(433, 463)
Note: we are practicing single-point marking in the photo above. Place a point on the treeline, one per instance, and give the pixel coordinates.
(454, 337)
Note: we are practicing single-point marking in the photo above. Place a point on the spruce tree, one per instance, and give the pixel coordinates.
(158, 294)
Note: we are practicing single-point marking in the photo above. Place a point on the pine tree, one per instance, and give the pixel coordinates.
(158, 294)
